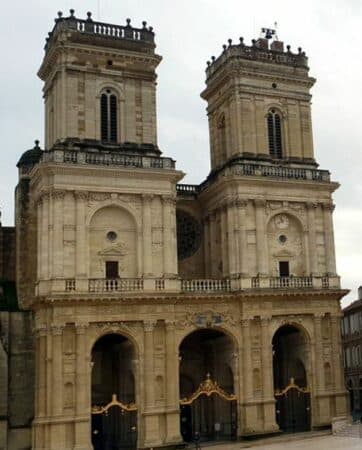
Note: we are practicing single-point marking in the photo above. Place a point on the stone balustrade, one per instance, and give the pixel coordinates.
(153, 285)
(99, 158)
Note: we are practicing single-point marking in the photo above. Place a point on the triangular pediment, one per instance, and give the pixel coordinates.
(114, 250)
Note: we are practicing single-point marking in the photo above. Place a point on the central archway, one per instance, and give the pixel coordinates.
(114, 412)
(208, 404)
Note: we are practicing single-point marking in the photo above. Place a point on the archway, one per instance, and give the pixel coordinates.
(290, 354)
(208, 403)
(114, 412)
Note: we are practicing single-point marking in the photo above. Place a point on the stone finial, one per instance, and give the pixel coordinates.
(72, 11)
(224, 47)
(208, 63)
(230, 41)
(36, 142)
(89, 16)
(213, 58)
(300, 50)
(144, 25)
(253, 42)
(150, 29)
(128, 20)
(241, 39)
(288, 48)
(60, 14)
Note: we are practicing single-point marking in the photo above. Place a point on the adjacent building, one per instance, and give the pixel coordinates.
(161, 309)
(352, 347)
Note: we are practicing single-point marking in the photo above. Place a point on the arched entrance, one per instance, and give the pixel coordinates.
(290, 355)
(208, 403)
(114, 412)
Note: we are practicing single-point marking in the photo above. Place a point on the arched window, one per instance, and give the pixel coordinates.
(275, 134)
(108, 116)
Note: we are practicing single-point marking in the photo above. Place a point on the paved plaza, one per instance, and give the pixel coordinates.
(314, 443)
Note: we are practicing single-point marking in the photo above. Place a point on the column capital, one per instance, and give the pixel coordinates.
(40, 330)
(81, 327)
(149, 325)
(170, 325)
(245, 322)
(58, 194)
(259, 203)
(328, 207)
(169, 200)
(57, 329)
(312, 206)
(147, 197)
(265, 320)
(241, 203)
(81, 195)
(318, 316)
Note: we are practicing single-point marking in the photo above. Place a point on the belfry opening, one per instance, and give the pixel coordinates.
(292, 392)
(114, 409)
(208, 407)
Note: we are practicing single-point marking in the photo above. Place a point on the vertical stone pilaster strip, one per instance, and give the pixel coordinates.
(223, 241)
(148, 326)
(312, 242)
(39, 238)
(337, 353)
(58, 197)
(266, 358)
(207, 247)
(213, 249)
(169, 259)
(230, 220)
(147, 235)
(45, 236)
(82, 405)
(329, 238)
(57, 370)
(243, 252)
(319, 369)
(261, 243)
(172, 387)
(248, 388)
(80, 254)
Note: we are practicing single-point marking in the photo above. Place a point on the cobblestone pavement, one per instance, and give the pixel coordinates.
(314, 443)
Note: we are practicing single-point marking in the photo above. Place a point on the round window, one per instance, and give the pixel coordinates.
(111, 236)
(188, 235)
(282, 239)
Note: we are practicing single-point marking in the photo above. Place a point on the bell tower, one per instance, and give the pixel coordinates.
(259, 104)
(100, 82)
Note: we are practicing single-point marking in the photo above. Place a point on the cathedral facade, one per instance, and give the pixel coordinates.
(164, 311)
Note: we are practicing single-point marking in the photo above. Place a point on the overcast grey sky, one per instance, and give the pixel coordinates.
(188, 32)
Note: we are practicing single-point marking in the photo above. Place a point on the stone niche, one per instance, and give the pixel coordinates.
(112, 237)
(285, 244)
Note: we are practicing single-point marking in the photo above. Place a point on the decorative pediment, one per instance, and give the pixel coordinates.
(114, 250)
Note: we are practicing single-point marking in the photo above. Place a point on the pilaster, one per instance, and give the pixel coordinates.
(147, 235)
(261, 237)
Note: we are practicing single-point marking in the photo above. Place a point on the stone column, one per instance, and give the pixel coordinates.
(329, 238)
(45, 236)
(232, 254)
(172, 385)
(55, 390)
(267, 370)
(312, 243)
(58, 197)
(80, 241)
(207, 261)
(213, 249)
(319, 366)
(40, 233)
(147, 235)
(151, 420)
(40, 387)
(261, 238)
(243, 245)
(223, 241)
(247, 372)
(169, 245)
(82, 400)
(337, 353)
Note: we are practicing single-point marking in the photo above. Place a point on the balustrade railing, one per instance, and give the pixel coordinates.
(107, 159)
(205, 285)
(70, 285)
(291, 282)
(115, 284)
(187, 189)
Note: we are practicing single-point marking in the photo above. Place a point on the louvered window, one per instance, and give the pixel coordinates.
(275, 134)
(108, 117)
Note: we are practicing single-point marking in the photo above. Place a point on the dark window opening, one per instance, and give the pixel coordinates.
(109, 117)
(274, 134)
(284, 268)
(112, 269)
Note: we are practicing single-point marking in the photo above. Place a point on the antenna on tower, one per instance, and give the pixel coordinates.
(276, 31)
